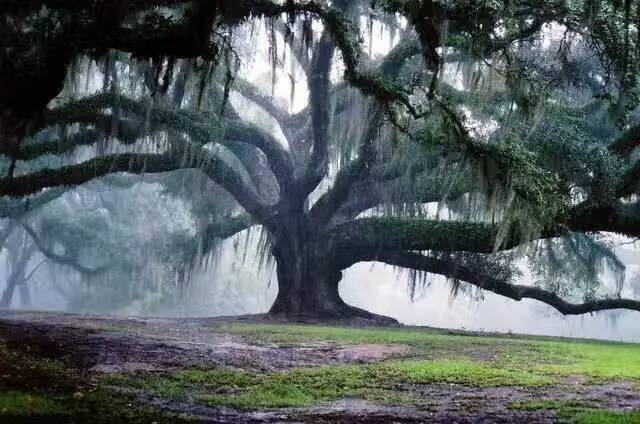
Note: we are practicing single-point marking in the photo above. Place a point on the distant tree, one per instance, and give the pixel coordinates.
(520, 119)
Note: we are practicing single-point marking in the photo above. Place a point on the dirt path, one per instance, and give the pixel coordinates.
(101, 345)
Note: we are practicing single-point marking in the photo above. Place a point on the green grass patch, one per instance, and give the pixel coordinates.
(307, 386)
(579, 412)
(541, 355)
(296, 334)
(469, 373)
(607, 361)
(534, 405)
(599, 416)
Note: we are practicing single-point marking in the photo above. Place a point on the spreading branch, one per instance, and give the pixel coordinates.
(455, 271)
(186, 156)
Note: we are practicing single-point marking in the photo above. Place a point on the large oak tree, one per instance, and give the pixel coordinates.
(518, 118)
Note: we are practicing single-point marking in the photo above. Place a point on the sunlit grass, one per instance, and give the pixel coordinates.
(598, 360)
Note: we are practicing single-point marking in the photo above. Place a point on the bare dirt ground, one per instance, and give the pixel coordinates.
(103, 345)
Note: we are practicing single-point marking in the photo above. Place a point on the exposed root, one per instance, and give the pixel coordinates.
(340, 313)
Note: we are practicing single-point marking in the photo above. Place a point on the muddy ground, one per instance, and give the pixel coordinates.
(96, 346)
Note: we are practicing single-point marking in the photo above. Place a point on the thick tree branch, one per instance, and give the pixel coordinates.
(426, 234)
(319, 84)
(359, 169)
(188, 156)
(254, 94)
(202, 129)
(73, 175)
(324, 209)
(618, 218)
(416, 234)
(453, 270)
(366, 195)
(631, 182)
(277, 157)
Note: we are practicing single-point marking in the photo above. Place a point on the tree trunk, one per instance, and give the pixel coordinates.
(308, 284)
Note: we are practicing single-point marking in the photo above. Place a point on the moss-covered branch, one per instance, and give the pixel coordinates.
(453, 270)
(421, 189)
(253, 94)
(390, 233)
(186, 156)
(416, 234)
(225, 228)
(73, 175)
(319, 84)
(201, 128)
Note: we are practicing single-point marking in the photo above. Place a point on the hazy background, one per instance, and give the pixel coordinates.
(235, 285)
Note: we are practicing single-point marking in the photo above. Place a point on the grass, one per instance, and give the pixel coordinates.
(595, 416)
(44, 387)
(295, 334)
(436, 358)
(542, 355)
(307, 386)
(469, 373)
(578, 412)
